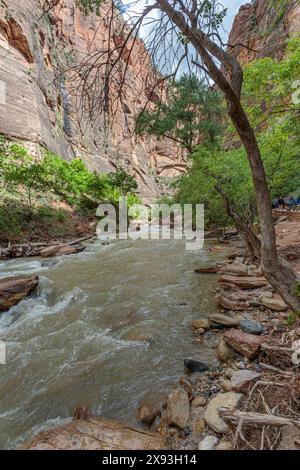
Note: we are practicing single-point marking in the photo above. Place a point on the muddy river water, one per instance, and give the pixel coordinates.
(106, 328)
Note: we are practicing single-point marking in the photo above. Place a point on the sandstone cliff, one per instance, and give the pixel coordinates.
(263, 26)
(35, 48)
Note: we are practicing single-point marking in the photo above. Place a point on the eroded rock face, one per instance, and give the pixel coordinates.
(36, 48)
(15, 289)
(263, 29)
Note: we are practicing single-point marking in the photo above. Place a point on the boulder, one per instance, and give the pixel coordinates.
(178, 408)
(96, 434)
(274, 304)
(246, 344)
(211, 415)
(242, 378)
(223, 320)
(195, 366)
(15, 289)
(224, 352)
(250, 326)
(208, 443)
(244, 282)
(201, 323)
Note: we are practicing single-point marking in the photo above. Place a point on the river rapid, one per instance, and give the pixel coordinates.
(106, 329)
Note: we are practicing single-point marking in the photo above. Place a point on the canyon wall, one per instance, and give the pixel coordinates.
(37, 101)
(263, 27)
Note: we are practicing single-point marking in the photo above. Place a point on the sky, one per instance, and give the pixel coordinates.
(132, 11)
(231, 5)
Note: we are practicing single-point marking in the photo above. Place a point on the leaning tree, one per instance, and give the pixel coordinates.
(184, 36)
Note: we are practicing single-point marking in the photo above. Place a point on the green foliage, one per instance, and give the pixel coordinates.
(123, 181)
(208, 12)
(272, 100)
(211, 167)
(229, 169)
(271, 96)
(281, 7)
(90, 6)
(291, 319)
(190, 115)
(270, 87)
(18, 168)
(29, 178)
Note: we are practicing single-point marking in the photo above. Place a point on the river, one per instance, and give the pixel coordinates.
(106, 328)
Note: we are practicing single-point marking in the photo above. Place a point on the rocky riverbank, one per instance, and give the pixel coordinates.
(251, 400)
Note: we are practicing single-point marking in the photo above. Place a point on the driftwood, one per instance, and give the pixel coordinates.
(266, 347)
(256, 418)
(29, 249)
(275, 369)
(80, 240)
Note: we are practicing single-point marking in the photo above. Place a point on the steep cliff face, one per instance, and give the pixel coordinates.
(39, 108)
(263, 27)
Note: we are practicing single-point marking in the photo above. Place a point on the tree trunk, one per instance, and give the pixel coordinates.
(277, 271)
(252, 242)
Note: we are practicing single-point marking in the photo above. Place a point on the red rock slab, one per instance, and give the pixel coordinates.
(15, 289)
(244, 282)
(246, 344)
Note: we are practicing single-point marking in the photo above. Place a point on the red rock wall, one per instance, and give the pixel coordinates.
(39, 110)
(263, 27)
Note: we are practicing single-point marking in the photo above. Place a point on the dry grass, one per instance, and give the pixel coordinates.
(277, 393)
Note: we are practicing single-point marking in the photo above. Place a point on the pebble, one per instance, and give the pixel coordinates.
(226, 386)
(229, 373)
(224, 445)
(195, 366)
(199, 425)
(202, 323)
(199, 401)
(208, 443)
(251, 327)
(241, 365)
(200, 331)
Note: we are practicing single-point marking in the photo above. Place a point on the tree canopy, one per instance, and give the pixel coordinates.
(189, 114)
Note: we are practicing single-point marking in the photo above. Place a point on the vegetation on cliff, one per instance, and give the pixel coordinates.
(48, 191)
